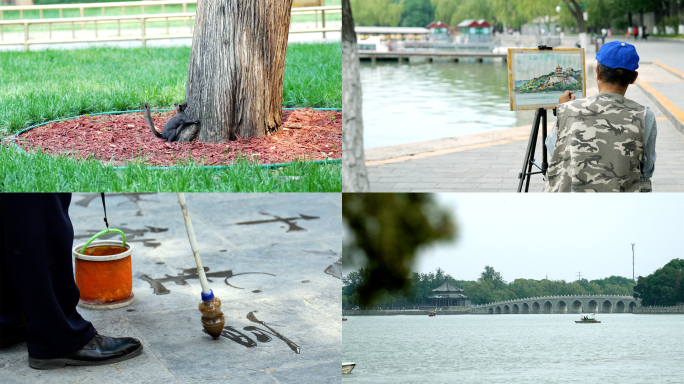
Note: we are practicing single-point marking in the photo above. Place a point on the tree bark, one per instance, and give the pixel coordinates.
(354, 173)
(576, 10)
(237, 64)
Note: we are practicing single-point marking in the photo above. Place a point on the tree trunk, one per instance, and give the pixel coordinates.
(354, 174)
(237, 64)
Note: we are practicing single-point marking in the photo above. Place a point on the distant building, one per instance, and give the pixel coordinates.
(448, 295)
(438, 30)
(475, 31)
(392, 33)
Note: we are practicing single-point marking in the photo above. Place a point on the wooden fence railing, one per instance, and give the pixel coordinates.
(82, 7)
(101, 28)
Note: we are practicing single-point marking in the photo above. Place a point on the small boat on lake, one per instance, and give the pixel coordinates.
(588, 319)
(344, 319)
(432, 314)
(347, 367)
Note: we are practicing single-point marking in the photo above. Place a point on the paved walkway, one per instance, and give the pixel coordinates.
(286, 270)
(491, 162)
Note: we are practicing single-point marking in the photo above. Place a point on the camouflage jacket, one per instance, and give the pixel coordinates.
(599, 146)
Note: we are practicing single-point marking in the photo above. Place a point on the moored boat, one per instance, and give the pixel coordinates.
(588, 319)
(432, 314)
(347, 367)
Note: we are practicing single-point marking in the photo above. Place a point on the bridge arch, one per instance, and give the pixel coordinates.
(525, 308)
(498, 310)
(561, 307)
(536, 308)
(631, 306)
(506, 309)
(576, 306)
(491, 310)
(515, 309)
(620, 307)
(592, 306)
(607, 306)
(548, 307)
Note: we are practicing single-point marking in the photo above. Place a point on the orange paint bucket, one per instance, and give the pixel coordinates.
(104, 274)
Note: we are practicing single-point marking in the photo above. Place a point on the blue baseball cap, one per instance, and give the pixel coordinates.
(617, 54)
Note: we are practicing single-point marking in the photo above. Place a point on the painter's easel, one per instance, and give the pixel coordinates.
(526, 174)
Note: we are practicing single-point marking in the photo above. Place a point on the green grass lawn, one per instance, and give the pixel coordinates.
(45, 173)
(46, 85)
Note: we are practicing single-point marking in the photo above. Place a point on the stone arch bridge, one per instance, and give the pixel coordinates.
(561, 304)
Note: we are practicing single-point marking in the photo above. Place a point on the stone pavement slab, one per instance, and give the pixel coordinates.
(494, 167)
(273, 255)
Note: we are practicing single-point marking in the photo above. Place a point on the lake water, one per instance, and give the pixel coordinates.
(624, 348)
(406, 103)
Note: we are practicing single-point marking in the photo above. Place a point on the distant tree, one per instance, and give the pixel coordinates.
(417, 13)
(352, 281)
(489, 274)
(662, 287)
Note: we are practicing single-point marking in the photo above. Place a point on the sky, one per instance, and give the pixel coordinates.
(557, 235)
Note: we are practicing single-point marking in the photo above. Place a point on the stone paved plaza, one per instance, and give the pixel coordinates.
(277, 256)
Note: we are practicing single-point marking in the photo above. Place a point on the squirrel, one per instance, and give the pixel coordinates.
(173, 125)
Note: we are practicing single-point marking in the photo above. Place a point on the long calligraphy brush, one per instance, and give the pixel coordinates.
(210, 306)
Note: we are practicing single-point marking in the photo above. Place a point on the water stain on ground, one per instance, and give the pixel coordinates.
(262, 335)
(191, 273)
(290, 221)
(335, 269)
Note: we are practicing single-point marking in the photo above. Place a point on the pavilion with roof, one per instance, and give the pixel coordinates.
(447, 295)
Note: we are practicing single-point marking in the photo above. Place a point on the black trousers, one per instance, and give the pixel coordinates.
(37, 276)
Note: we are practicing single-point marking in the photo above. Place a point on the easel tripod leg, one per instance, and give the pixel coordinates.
(529, 154)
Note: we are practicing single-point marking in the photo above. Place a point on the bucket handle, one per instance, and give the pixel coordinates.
(123, 244)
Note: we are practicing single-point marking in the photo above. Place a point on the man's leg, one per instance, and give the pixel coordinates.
(35, 257)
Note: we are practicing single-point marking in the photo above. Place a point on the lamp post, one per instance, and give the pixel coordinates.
(633, 263)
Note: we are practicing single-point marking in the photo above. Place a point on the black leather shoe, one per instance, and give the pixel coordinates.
(13, 336)
(100, 350)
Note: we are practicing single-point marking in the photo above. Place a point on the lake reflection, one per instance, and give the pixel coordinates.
(624, 348)
(406, 103)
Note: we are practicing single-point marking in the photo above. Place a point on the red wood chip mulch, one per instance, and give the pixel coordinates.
(307, 135)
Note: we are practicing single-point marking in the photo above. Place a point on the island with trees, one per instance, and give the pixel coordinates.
(662, 288)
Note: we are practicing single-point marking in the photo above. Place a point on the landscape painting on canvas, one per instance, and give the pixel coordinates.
(536, 79)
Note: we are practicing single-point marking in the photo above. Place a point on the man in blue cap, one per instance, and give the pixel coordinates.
(604, 143)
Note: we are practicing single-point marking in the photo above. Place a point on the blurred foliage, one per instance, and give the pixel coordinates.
(377, 13)
(662, 287)
(383, 232)
(490, 287)
(417, 13)
(514, 13)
